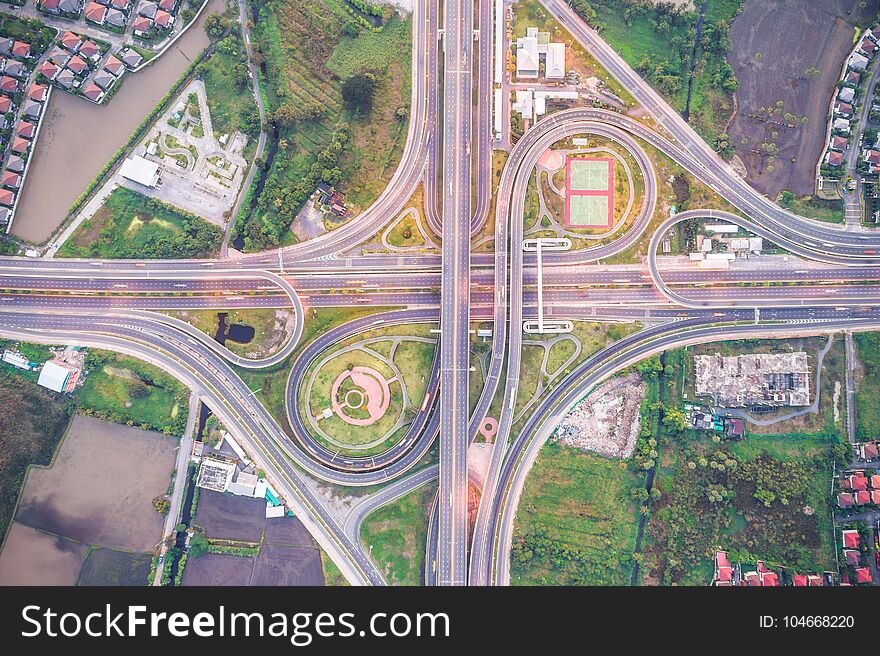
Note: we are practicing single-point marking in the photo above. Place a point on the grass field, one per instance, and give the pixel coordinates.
(310, 50)
(270, 333)
(868, 387)
(112, 567)
(588, 174)
(576, 523)
(588, 211)
(126, 390)
(397, 533)
(228, 90)
(131, 225)
(30, 427)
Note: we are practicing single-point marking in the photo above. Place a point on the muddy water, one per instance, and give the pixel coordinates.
(78, 137)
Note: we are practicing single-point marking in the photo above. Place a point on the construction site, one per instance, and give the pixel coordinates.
(758, 381)
(607, 420)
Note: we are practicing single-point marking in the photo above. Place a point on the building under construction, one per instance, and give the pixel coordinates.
(758, 381)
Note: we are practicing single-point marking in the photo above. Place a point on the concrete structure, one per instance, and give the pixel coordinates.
(215, 474)
(58, 376)
(555, 62)
(140, 170)
(754, 380)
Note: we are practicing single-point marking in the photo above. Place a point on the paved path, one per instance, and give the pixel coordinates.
(184, 450)
(852, 200)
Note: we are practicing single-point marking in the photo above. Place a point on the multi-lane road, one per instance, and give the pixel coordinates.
(834, 285)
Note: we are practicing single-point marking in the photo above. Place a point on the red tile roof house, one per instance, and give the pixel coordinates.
(21, 49)
(5, 104)
(863, 497)
(873, 156)
(763, 577)
(20, 145)
(7, 197)
(141, 25)
(25, 129)
(875, 481)
(875, 497)
(163, 20)
(723, 570)
(845, 500)
(853, 557)
(38, 92)
(10, 179)
(838, 143)
(858, 482)
(96, 13)
(15, 163)
(70, 41)
(835, 158)
(853, 78)
(167, 5)
(870, 450)
(89, 50)
(844, 108)
(8, 85)
(868, 47)
(78, 65)
(114, 65)
(119, 4)
(863, 575)
(850, 538)
(93, 92)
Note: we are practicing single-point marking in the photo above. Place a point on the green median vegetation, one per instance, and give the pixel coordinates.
(131, 225)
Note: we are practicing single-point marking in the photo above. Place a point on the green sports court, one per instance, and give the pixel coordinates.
(589, 193)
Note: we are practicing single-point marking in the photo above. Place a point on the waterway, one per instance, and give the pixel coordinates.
(78, 137)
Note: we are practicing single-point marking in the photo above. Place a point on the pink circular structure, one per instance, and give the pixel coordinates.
(375, 389)
(489, 428)
(551, 159)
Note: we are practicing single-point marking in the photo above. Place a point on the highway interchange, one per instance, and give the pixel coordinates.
(116, 304)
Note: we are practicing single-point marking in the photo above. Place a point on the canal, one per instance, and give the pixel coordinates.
(78, 137)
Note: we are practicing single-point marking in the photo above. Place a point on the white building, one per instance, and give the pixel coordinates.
(140, 170)
(525, 104)
(555, 68)
(58, 376)
(858, 62)
(245, 485)
(527, 57)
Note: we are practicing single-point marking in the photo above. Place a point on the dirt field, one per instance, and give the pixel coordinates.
(774, 43)
(101, 487)
(31, 557)
(228, 517)
(112, 567)
(218, 569)
(285, 564)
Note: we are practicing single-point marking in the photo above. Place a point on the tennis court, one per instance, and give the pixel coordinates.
(588, 174)
(589, 193)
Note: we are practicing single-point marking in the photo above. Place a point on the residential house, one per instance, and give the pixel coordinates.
(7, 197)
(38, 92)
(872, 156)
(20, 145)
(4, 218)
(834, 158)
(527, 62)
(846, 94)
(762, 577)
(863, 497)
(21, 50)
(858, 62)
(48, 70)
(863, 575)
(90, 50)
(867, 48)
(78, 65)
(5, 104)
(93, 92)
(168, 5)
(869, 451)
(857, 482)
(65, 79)
(874, 34)
(120, 5)
(875, 497)
(838, 143)
(852, 78)
(26, 129)
(59, 57)
(32, 109)
(841, 125)
(61, 6)
(8, 85)
(104, 79)
(845, 500)
(148, 10)
(163, 20)
(70, 41)
(113, 65)
(10, 179)
(723, 570)
(807, 580)
(852, 556)
(115, 18)
(875, 482)
(131, 58)
(96, 13)
(15, 69)
(15, 163)
(141, 25)
(6, 46)
(850, 538)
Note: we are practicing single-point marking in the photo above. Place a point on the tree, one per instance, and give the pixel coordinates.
(358, 91)
(216, 25)
(786, 198)
(137, 389)
(674, 419)
(198, 545)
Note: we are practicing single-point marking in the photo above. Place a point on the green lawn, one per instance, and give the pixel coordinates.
(816, 208)
(414, 360)
(228, 90)
(396, 533)
(131, 225)
(868, 388)
(126, 390)
(576, 523)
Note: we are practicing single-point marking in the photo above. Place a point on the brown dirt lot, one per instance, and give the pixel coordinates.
(774, 43)
(218, 569)
(101, 487)
(31, 557)
(228, 517)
